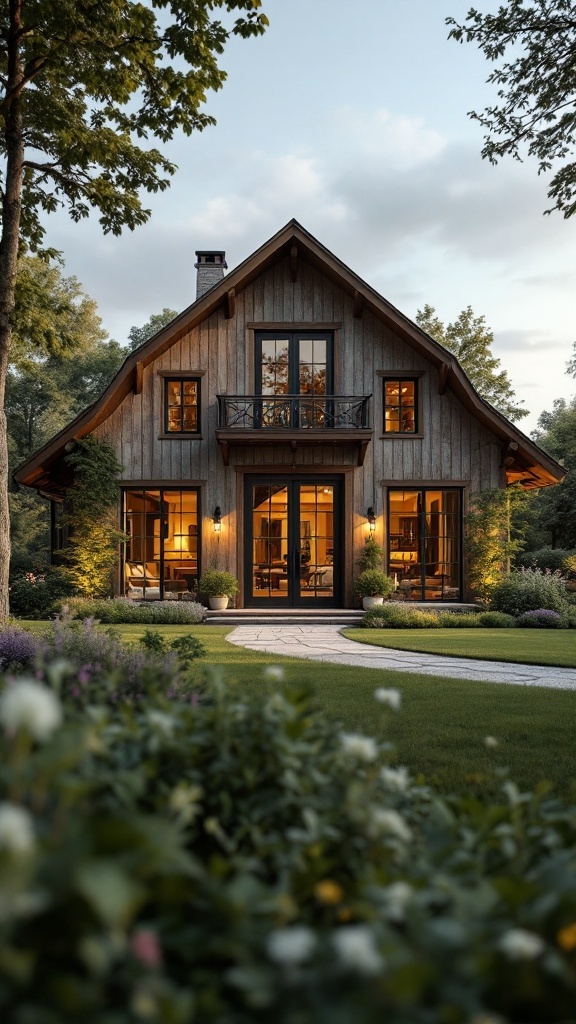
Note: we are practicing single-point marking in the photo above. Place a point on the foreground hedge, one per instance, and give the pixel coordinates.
(235, 861)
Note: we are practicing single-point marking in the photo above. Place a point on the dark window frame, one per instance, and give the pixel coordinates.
(401, 379)
(293, 338)
(162, 489)
(422, 533)
(182, 377)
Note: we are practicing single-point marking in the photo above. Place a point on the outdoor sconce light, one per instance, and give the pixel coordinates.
(371, 517)
(217, 519)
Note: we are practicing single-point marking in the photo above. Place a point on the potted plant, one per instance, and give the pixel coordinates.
(218, 586)
(372, 586)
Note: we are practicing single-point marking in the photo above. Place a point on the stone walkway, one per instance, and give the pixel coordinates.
(325, 643)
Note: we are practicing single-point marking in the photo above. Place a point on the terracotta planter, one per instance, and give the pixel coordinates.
(371, 602)
(218, 603)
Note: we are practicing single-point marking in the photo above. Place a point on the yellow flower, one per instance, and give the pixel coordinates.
(566, 937)
(328, 891)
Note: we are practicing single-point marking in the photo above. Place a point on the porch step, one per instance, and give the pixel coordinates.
(313, 617)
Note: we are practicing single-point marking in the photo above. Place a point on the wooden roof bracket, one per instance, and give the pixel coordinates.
(358, 304)
(230, 303)
(225, 452)
(443, 375)
(294, 264)
(509, 450)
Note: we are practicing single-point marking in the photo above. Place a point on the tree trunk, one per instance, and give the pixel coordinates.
(11, 204)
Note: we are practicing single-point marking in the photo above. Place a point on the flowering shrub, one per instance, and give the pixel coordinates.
(120, 610)
(33, 594)
(528, 590)
(554, 559)
(18, 650)
(396, 616)
(541, 618)
(239, 860)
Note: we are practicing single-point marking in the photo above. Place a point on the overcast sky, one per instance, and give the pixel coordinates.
(352, 117)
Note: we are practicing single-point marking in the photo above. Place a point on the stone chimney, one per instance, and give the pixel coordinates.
(210, 266)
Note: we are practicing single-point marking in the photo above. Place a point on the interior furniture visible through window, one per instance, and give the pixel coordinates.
(424, 543)
(181, 405)
(400, 405)
(162, 556)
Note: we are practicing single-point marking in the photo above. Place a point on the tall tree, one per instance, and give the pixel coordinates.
(471, 342)
(138, 335)
(532, 45)
(83, 88)
(556, 506)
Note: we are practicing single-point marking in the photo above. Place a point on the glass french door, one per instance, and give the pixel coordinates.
(293, 363)
(425, 543)
(293, 550)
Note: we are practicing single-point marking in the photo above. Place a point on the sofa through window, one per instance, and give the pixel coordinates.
(162, 558)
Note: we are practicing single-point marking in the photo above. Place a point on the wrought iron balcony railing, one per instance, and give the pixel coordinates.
(293, 412)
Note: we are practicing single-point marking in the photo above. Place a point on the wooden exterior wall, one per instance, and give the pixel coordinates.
(454, 449)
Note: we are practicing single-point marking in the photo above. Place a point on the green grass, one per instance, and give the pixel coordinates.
(439, 733)
(528, 646)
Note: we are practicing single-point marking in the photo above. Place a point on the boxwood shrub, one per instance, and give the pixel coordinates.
(459, 620)
(398, 616)
(240, 860)
(497, 620)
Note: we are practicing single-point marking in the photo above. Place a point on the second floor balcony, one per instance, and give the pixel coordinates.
(297, 420)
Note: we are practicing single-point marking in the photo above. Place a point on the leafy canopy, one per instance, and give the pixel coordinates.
(471, 340)
(532, 45)
(556, 506)
(99, 80)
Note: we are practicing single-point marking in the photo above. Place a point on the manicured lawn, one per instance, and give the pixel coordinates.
(439, 733)
(530, 646)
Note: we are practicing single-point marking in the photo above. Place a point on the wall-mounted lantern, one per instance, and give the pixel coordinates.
(217, 519)
(371, 517)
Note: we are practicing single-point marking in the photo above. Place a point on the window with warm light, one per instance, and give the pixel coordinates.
(162, 554)
(182, 405)
(400, 406)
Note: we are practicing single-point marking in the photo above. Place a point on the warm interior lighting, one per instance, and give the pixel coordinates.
(371, 517)
(217, 519)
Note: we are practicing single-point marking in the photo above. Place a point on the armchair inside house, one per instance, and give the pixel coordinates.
(143, 582)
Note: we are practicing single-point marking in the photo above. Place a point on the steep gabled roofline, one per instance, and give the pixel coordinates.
(292, 240)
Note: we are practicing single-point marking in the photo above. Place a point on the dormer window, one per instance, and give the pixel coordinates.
(181, 405)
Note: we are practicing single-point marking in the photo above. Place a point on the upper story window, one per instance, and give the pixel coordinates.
(182, 405)
(294, 363)
(400, 406)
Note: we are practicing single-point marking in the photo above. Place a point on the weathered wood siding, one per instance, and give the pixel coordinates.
(454, 447)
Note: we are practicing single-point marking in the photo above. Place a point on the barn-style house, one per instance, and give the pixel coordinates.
(285, 415)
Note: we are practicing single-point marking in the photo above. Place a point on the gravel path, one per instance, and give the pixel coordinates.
(325, 643)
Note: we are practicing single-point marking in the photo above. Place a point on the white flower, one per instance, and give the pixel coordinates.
(364, 748)
(356, 949)
(273, 673)
(392, 698)
(390, 823)
(162, 722)
(291, 946)
(490, 742)
(16, 829)
(396, 780)
(519, 944)
(29, 705)
(398, 895)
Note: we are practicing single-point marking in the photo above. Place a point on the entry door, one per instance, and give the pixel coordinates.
(293, 553)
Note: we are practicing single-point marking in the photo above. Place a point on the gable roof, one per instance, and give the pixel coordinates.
(526, 462)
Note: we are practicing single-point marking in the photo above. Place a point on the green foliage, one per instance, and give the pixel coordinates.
(556, 506)
(121, 610)
(528, 590)
(555, 559)
(35, 593)
(459, 620)
(140, 335)
(238, 859)
(497, 620)
(494, 532)
(371, 556)
(101, 81)
(531, 46)
(218, 583)
(398, 616)
(471, 340)
(92, 552)
(373, 583)
(186, 648)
